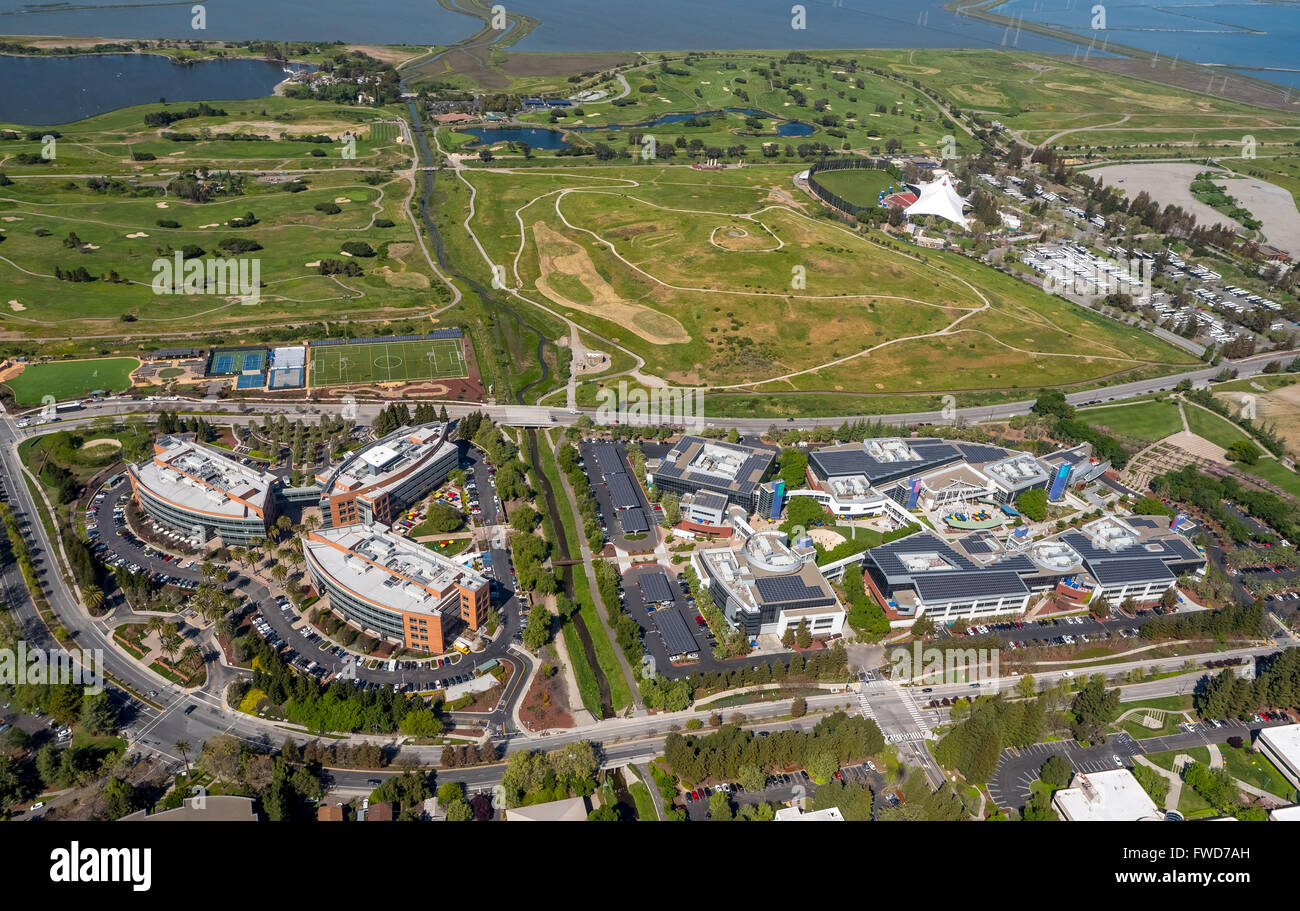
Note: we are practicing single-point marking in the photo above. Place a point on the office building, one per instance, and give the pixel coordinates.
(394, 587)
(375, 484)
(203, 494)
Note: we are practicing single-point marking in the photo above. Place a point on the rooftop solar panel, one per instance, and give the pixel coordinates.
(655, 587)
(633, 521)
(622, 492)
(676, 634)
(608, 459)
(1120, 572)
(791, 590)
(964, 586)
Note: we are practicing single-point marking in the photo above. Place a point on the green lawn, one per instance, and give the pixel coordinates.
(1148, 421)
(1166, 760)
(859, 186)
(1255, 769)
(71, 379)
(1275, 472)
(645, 806)
(1209, 425)
(384, 362)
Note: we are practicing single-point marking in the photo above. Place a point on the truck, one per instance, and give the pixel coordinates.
(68, 406)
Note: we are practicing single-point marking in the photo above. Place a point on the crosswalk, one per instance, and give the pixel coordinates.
(914, 710)
(905, 737)
(867, 711)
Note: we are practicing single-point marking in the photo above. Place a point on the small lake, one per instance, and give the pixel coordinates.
(65, 89)
(536, 137)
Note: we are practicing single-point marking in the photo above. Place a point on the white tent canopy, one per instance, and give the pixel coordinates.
(939, 197)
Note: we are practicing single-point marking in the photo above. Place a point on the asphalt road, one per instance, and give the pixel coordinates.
(532, 415)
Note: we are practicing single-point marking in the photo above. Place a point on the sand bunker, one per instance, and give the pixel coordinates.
(161, 205)
(341, 199)
(136, 234)
(16, 307)
(12, 218)
(215, 224)
(313, 264)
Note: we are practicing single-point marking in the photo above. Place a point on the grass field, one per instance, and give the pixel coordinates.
(1149, 421)
(694, 272)
(1209, 425)
(387, 362)
(71, 379)
(859, 186)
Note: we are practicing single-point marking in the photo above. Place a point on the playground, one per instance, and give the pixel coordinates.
(974, 520)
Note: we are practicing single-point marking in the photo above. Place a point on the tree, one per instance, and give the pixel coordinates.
(443, 518)
(822, 766)
(524, 519)
(803, 635)
(787, 638)
(720, 806)
(798, 707)
(1056, 771)
(752, 778)
(92, 596)
(1033, 504)
(1094, 708)
(459, 811)
(1026, 686)
(538, 631)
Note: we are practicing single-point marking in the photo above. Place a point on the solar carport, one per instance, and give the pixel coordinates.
(676, 634)
(655, 588)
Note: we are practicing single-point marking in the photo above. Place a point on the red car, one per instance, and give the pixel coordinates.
(699, 620)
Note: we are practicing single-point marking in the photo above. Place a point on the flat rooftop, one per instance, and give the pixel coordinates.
(1113, 795)
(378, 464)
(204, 480)
(392, 571)
(713, 464)
(1285, 740)
(765, 571)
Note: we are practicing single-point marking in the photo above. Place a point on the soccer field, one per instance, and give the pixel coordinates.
(387, 362)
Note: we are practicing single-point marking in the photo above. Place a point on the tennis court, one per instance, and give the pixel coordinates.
(228, 361)
(387, 362)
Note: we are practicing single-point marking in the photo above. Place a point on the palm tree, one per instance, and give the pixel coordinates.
(279, 572)
(171, 645)
(311, 523)
(92, 596)
(239, 555)
(191, 655)
(155, 624)
(183, 747)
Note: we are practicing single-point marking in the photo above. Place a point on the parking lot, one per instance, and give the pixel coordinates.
(116, 546)
(608, 513)
(635, 603)
(784, 788)
(1018, 769)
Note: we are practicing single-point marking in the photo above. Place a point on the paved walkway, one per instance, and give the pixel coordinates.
(1175, 782)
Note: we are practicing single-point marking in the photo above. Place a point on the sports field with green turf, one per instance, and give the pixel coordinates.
(71, 379)
(387, 362)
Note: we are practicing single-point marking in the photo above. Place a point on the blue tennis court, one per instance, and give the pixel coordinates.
(237, 360)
